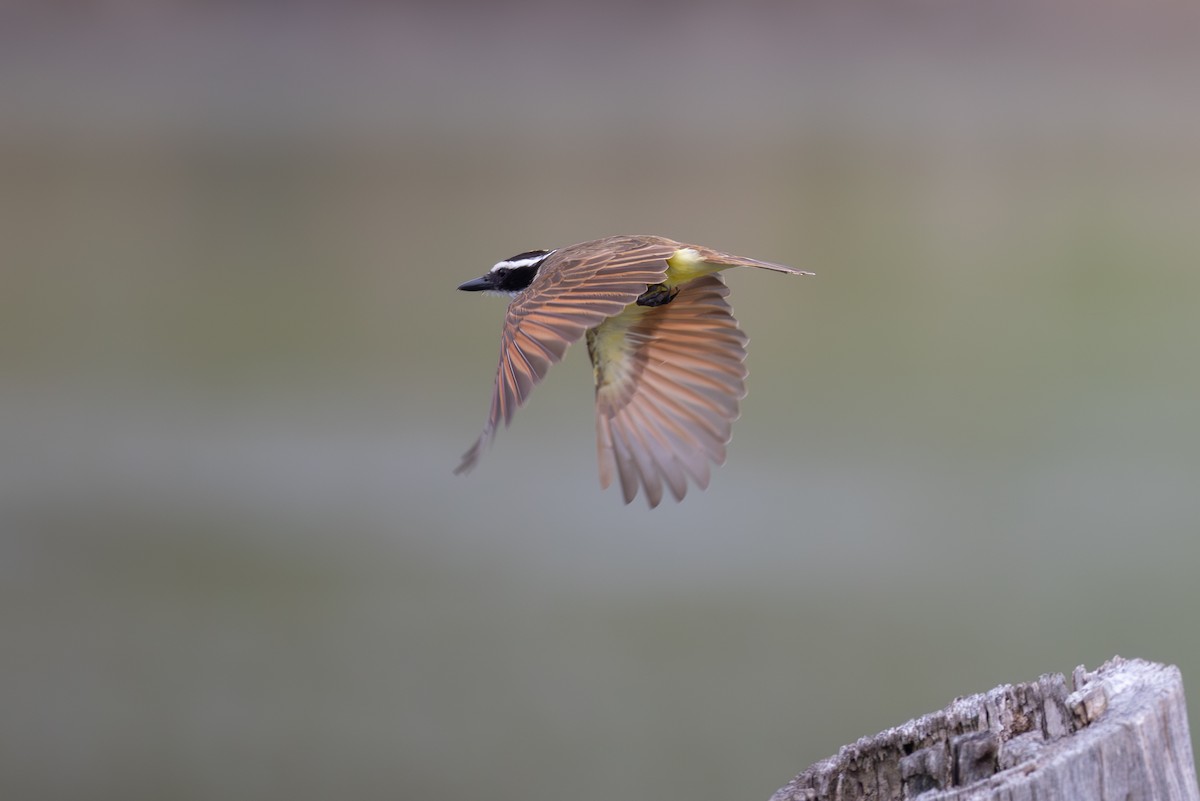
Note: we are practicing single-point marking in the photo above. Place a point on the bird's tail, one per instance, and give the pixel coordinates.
(729, 260)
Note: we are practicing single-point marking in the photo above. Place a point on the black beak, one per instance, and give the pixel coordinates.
(477, 284)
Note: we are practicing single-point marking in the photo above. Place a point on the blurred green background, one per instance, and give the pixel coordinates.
(235, 376)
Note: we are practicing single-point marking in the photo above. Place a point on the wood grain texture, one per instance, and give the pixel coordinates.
(1121, 735)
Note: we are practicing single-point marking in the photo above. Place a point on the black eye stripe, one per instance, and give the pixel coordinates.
(514, 279)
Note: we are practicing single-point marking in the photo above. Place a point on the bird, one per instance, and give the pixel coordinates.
(667, 354)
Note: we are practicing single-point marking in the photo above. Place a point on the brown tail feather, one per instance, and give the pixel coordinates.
(741, 261)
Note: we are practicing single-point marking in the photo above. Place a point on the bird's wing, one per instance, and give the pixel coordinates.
(668, 383)
(570, 294)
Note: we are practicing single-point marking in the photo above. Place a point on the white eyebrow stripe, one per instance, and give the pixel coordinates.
(529, 262)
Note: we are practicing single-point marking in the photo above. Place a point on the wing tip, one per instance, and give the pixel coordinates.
(471, 458)
(467, 464)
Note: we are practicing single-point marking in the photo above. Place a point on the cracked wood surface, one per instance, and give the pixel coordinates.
(1121, 734)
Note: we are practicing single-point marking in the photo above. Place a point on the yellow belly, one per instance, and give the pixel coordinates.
(686, 265)
(609, 345)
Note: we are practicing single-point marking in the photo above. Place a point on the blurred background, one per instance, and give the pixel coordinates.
(235, 376)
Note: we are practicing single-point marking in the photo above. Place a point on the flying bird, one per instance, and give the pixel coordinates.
(667, 354)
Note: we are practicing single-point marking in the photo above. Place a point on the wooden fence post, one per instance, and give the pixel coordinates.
(1121, 735)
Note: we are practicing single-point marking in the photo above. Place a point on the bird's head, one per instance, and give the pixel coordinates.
(510, 276)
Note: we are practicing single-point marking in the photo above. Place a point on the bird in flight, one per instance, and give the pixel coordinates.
(667, 354)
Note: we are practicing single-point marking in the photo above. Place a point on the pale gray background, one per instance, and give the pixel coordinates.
(236, 376)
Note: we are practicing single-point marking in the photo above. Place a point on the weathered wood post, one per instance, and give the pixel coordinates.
(1122, 735)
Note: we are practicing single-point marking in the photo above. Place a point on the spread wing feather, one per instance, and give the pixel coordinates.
(668, 389)
(573, 292)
